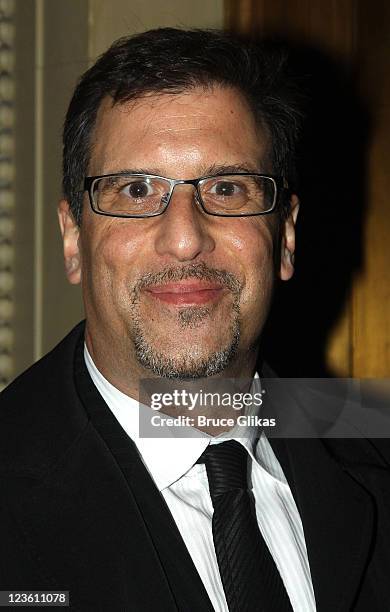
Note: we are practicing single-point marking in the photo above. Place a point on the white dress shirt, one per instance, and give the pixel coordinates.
(171, 462)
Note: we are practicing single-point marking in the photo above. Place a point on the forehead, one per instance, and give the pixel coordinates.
(198, 127)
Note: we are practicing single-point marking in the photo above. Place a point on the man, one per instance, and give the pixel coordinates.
(177, 221)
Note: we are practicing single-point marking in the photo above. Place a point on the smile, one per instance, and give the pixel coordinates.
(186, 293)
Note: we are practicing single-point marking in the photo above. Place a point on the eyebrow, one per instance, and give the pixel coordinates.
(214, 169)
(132, 171)
(230, 168)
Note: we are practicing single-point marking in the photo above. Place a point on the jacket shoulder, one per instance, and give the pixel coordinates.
(40, 411)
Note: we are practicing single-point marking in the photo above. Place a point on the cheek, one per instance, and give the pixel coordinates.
(254, 251)
(119, 245)
(111, 257)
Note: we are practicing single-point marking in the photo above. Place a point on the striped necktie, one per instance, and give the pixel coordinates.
(250, 578)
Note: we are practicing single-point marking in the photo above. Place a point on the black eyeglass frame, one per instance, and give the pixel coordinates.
(280, 184)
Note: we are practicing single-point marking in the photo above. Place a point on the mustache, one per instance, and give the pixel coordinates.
(199, 271)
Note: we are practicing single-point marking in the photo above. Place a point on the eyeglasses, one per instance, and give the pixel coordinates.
(147, 195)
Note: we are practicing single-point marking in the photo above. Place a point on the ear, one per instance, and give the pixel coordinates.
(288, 240)
(70, 235)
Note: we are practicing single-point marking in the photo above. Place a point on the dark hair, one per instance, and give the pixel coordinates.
(172, 61)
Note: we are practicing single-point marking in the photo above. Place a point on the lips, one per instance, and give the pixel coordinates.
(186, 293)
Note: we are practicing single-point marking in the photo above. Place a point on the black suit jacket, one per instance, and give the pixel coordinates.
(79, 511)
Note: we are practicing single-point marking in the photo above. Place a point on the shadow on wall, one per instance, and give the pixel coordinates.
(332, 187)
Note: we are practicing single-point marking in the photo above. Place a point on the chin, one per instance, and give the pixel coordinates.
(184, 362)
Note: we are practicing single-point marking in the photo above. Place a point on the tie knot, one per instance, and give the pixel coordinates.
(226, 465)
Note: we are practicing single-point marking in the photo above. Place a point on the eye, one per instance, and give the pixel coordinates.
(225, 189)
(138, 189)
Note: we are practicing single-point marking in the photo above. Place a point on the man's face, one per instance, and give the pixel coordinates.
(184, 293)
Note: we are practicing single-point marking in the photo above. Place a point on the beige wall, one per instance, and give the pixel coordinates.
(109, 20)
(55, 42)
(51, 49)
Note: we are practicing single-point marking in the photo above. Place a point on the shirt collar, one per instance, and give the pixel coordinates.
(168, 459)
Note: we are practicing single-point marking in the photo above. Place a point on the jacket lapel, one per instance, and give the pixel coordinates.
(337, 516)
(180, 573)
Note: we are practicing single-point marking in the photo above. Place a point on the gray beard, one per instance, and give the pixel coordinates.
(186, 366)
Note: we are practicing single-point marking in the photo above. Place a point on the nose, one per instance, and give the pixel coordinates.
(184, 231)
